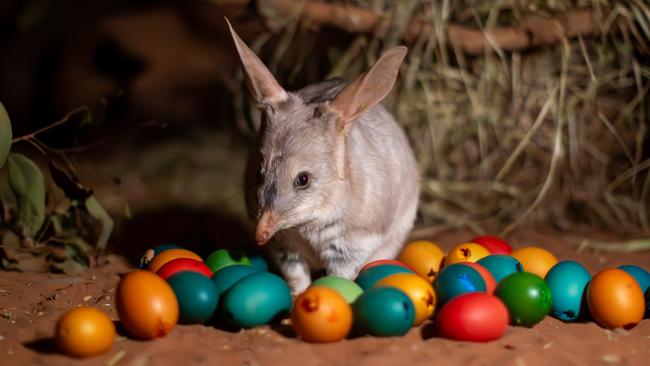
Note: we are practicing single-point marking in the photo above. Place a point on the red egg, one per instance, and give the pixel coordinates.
(490, 282)
(475, 317)
(380, 262)
(494, 244)
(183, 264)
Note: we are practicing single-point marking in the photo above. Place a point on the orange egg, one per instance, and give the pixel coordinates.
(85, 332)
(417, 289)
(147, 305)
(535, 260)
(615, 299)
(424, 257)
(320, 314)
(466, 252)
(168, 255)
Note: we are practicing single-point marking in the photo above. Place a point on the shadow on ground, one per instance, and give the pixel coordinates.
(199, 230)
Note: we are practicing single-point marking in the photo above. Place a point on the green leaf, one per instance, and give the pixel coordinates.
(98, 212)
(5, 135)
(27, 183)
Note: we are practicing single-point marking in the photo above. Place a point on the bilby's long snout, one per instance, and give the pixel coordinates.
(267, 225)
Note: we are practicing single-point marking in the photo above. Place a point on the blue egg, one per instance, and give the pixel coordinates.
(257, 299)
(383, 312)
(226, 277)
(568, 282)
(500, 266)
(640, 275)
(259, 263)
(457, 279)
(369, 277)
(197, 296)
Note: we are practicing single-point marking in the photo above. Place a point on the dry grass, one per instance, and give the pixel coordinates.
(556, 134)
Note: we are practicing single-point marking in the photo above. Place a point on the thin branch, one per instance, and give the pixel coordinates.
(63, 120)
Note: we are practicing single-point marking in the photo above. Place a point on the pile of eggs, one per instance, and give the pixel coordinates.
(472, 293)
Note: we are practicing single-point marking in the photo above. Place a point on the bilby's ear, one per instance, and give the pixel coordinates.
(261, 83)
(369, 88)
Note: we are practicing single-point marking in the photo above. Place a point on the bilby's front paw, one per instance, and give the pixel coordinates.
(298, 285)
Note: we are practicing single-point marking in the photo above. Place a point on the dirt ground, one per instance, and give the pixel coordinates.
(31, 303)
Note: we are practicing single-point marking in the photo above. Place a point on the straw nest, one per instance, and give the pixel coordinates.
(518, 111)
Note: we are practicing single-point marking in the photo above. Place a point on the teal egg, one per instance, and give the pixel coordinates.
(383, 312)
(501, 266)
(568, 281)
(457, 279)
(150, 253)
(640, 275)
(226, 277)
(257, 299)
(372, 275)
(221, 258)
(259, 263)
(344, 287)
(197, 296)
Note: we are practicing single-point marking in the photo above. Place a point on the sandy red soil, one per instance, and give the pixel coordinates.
(31, 303)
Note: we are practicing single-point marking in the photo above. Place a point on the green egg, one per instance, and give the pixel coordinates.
(221, 258)
(197, 296)
(226, 277)
(383, 312)
(527, 297)
(344, 287)
(256, 300)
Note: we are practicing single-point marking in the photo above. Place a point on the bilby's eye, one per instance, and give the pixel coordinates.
(302, 180)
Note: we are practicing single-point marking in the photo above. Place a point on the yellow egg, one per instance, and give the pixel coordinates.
(424, 257)
(535, 260)
(146, 304)
(466, 252)
(417, 289)
(85, 332)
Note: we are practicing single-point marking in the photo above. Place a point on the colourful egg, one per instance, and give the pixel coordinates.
(494, 244)
(526, 296)
(535, 260)
(568, 281)
(424, 257)
(344, 287)
(183, 264)
(640, 275)
(221, 258)
(383, 312)
(500, 266)
(380, 262)
(320, 314)
(258, 263)
(257, 299)
(85, 332)
(226, 277)
(369, 277)
(615, 299)
(150, 253)
(417, 289)
(457, 279)
(169, 255)
(146, 304)
(490, 282)
(475, 317)
(466, 252)
(197, 296)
